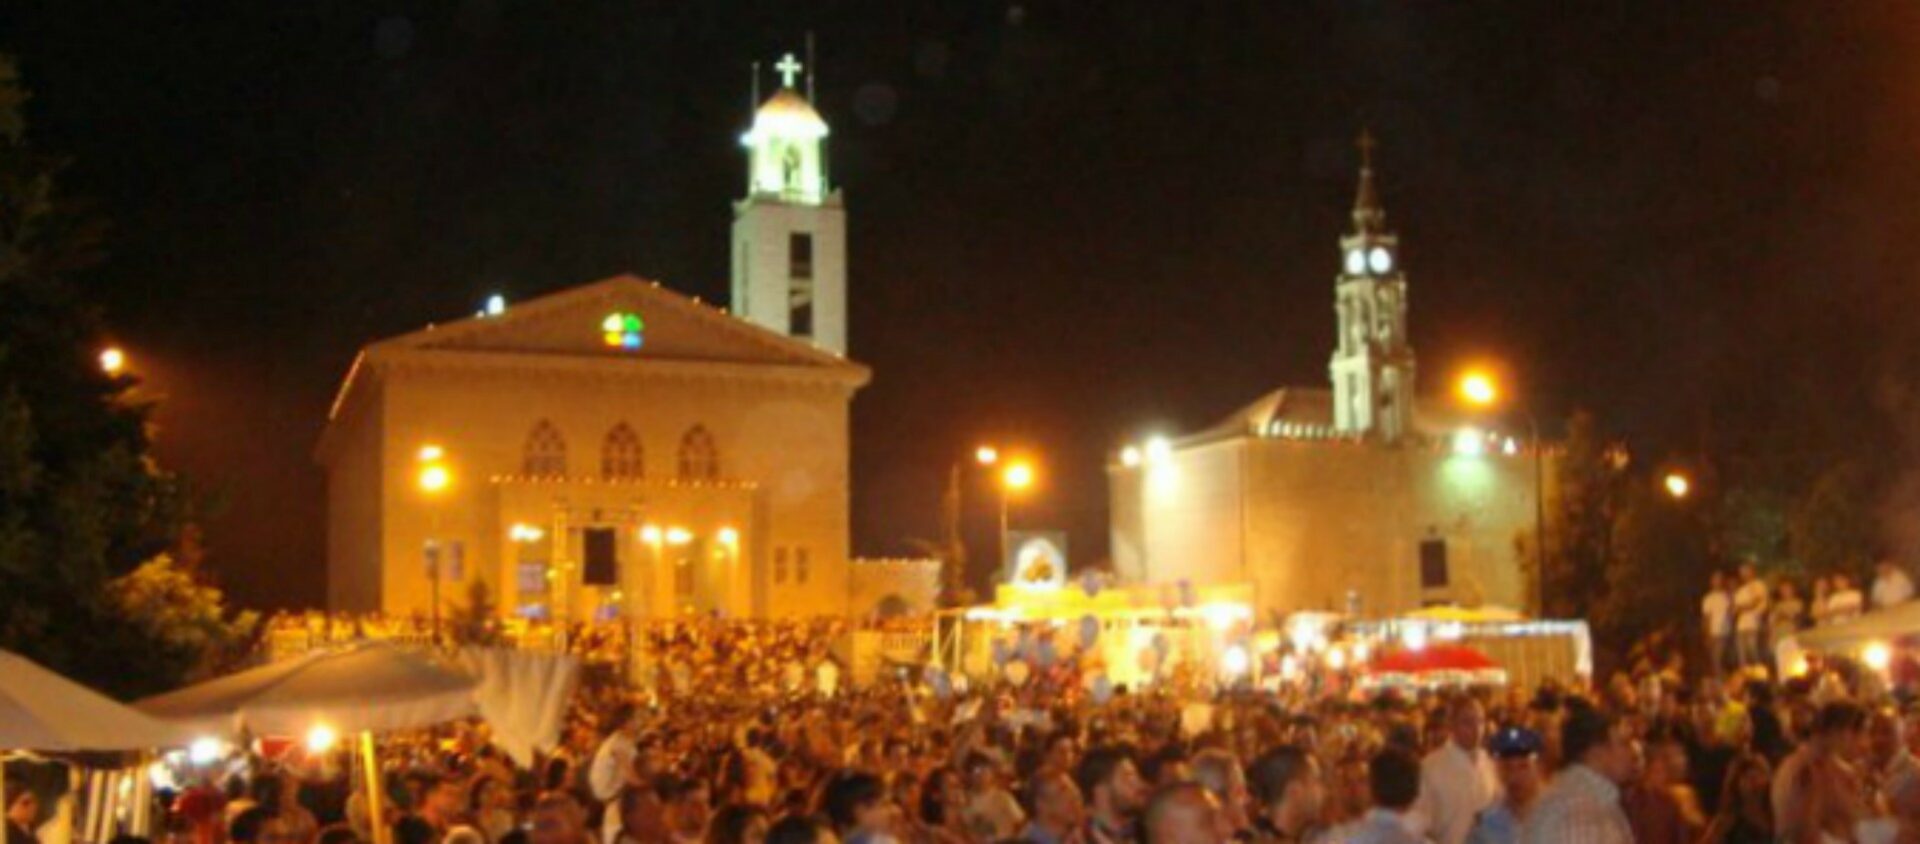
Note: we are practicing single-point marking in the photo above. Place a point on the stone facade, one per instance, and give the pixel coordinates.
(1321, 522)
(879, 586)
(1362, 498)
(710, 453)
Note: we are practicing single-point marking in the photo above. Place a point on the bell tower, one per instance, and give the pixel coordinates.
(790, 230)
(1373, 362)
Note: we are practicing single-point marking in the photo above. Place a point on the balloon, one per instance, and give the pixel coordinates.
(1089, 630)
(1149, 660)
(1186, 592)
(1160, 645)
(1090, 582)
(1001, 653)
(1018, 673)
(1102, 689)
(1044, 655)
(937, 680)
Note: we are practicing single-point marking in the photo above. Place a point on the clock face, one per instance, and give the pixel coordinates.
(1380, 260)
(1356, 262)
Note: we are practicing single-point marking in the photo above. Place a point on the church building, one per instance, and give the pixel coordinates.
(618, 449)
(1366, 498)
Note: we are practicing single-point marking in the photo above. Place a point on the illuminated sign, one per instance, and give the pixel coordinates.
(623, 330)
(1037, 559)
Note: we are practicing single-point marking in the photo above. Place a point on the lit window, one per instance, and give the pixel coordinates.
(623, 330)
(780, 564)
(800, 565)
(620, 455)
(699, 457)
(546, 452)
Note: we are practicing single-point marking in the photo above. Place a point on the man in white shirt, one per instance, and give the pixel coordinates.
(1750, 612)
(612, 770)
(1887, 753)
(1582, 805)
(1845, 603)
(1716, 619)
(1891, 586)
(1458, 779)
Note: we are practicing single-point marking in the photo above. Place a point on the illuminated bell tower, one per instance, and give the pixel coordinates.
(1373, 362)
(790, 231)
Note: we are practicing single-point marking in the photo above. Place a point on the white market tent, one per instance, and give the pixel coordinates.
(366, 687)
(362, 688)
(1889, 626)
(45, 712)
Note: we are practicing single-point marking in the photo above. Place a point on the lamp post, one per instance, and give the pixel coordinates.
(1017, 477)
(1677, 484)
(113, 360)
(434, 479)
(1479, 389)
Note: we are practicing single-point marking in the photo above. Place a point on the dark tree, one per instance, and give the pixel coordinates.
(82, 502)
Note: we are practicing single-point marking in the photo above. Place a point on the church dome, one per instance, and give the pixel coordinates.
(786, 114)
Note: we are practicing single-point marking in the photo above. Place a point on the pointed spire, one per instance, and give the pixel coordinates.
(1368, 216)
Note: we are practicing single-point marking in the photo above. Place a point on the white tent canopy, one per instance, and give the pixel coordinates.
(1888, 625)
(43, 711)
(370, 686)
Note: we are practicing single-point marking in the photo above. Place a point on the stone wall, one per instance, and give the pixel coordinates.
(872, 582)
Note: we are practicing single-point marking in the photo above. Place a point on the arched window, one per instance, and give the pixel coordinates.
(699, 459)
(546, 453)
(620, 455)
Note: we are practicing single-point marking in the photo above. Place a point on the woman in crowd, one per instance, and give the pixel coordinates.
(1746, 805)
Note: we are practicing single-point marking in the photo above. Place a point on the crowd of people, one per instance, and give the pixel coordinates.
(1743, 617)
(727, 748)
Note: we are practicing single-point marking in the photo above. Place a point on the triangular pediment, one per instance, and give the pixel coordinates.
(623, 317)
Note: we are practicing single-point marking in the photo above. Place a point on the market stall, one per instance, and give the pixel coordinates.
(42, 712)
(326, 695)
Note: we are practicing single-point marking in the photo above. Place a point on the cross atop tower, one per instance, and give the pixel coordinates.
(788, 68)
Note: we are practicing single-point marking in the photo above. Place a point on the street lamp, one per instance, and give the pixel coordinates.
(434, 479)
(1677, 484)
(1478, 388)
(1016, 477)
(113, 360)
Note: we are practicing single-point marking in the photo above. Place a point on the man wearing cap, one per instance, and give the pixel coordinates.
(1516, 761)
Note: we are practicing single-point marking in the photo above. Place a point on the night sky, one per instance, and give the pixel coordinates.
(1072, 223)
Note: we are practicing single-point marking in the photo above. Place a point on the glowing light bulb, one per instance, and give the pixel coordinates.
(321, 739)
(1235, 661)
(203, 751)
(1877, 656)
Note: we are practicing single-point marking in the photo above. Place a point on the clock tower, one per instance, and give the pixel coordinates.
(790, 231)
(1373, 363)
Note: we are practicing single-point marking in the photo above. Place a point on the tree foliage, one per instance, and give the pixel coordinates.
(476, 622)
(1580, 521)
(1659, 565)
(1834, 528)
(188, 631)
(82, 503)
